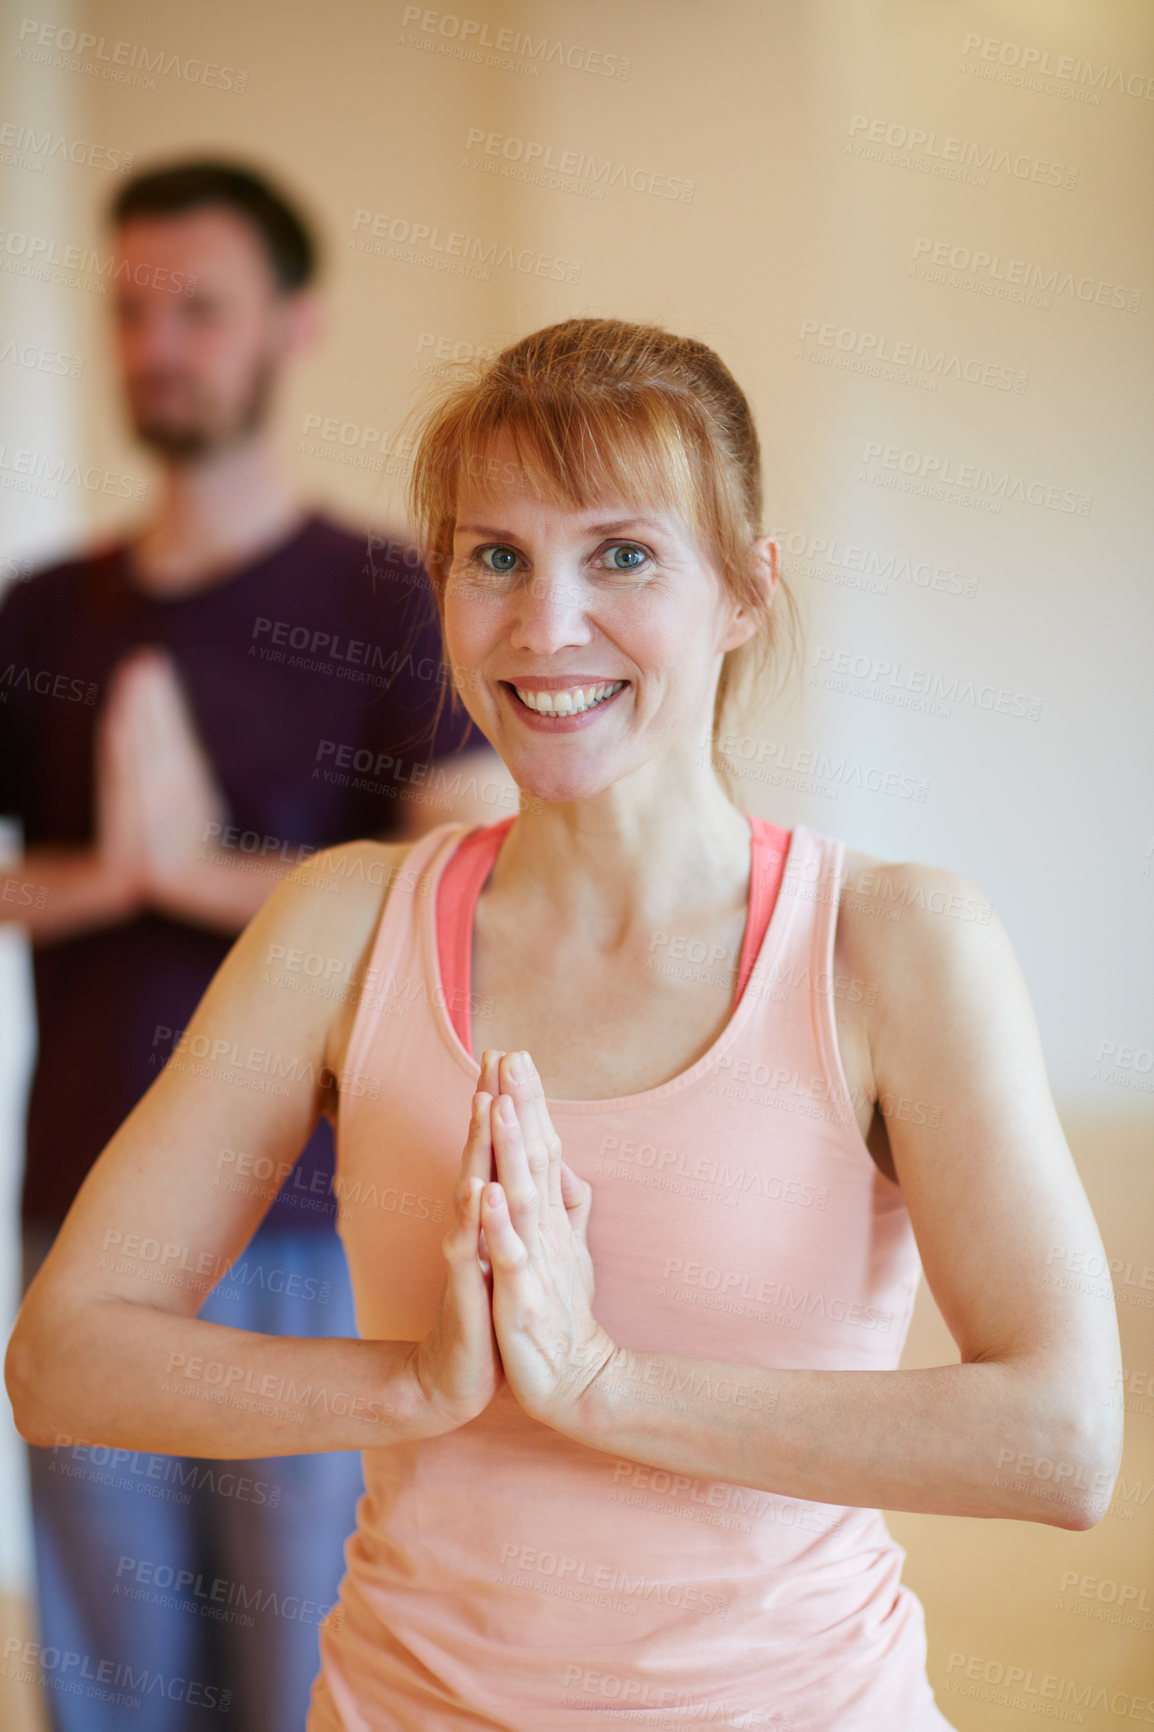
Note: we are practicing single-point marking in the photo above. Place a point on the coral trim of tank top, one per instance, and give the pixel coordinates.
(465, 872)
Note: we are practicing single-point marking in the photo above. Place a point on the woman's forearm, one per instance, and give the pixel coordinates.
(135, 1377)
(978, 1439)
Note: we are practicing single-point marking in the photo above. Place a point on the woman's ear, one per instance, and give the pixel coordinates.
(769, 555)
(742, 623)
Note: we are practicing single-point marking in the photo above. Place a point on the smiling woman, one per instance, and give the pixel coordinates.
(627, 1383)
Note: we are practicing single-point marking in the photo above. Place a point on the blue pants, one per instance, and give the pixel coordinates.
(184, 1595)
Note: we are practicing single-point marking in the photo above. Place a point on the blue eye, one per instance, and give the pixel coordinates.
(627, 556)
(504, 558)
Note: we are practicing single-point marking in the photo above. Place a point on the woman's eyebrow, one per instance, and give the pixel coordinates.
(613, 528)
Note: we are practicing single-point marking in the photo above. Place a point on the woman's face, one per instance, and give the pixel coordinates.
(585, 643)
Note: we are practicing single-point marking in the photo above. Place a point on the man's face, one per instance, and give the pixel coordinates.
(198, 362)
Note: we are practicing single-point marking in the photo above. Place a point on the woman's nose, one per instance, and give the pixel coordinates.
(551, 613)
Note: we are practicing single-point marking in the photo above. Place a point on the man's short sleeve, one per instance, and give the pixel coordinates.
(414, 716)
(412, 728)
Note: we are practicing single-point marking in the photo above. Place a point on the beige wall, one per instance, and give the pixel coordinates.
(964, 537)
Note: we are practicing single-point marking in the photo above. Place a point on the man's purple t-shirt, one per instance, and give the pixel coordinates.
(313, 675)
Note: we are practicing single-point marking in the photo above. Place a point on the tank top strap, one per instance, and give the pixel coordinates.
(824, 875)
(395, 954)
(458, 888)
(797, 961)
(770, 845)
(828, 985)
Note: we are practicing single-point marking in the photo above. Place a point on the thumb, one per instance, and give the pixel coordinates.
(577, 1196)
(507, 1254)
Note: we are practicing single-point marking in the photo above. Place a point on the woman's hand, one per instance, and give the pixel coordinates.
(457, 1365)
(535, 1218)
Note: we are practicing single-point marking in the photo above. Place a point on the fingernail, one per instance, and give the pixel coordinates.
(518, 1067)
(505, 1110)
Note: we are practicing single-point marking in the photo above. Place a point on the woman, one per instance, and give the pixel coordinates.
(657, 1497)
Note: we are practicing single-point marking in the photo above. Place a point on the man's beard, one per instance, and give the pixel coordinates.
(202, 432)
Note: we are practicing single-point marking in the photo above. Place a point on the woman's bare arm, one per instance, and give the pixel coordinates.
(107, 1345)
(1028, 1425)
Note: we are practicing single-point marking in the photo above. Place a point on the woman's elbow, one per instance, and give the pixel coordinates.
(20, 1380)
(29, 1380)
(1058, 1460)
(1081, 1467)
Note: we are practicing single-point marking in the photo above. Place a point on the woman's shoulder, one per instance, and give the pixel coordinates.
(336, 898)
(872, 885)
(896, 913)
(329, 914)
(341, 888)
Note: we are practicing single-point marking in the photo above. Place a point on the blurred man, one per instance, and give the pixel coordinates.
(184, 716)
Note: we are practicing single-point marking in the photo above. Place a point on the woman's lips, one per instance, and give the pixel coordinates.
(560, 724)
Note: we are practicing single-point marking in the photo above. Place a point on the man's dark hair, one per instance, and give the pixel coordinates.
(185, 186)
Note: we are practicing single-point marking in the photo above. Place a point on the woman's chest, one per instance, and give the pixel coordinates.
(597, 1029)
(602, 1028)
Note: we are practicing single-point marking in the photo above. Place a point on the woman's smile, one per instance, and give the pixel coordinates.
(559, 705)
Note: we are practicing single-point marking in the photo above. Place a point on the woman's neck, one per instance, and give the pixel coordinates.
(628, 859)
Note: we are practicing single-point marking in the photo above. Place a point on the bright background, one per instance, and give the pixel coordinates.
(820, 153)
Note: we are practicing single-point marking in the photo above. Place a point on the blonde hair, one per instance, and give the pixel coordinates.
(602, 407)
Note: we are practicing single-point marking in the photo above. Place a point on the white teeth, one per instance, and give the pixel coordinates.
(568, 703)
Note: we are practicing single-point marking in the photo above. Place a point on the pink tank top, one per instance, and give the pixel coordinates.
(505, 1577)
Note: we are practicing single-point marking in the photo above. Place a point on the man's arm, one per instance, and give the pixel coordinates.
(158, 813)
(222, 888)
(56, 893)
